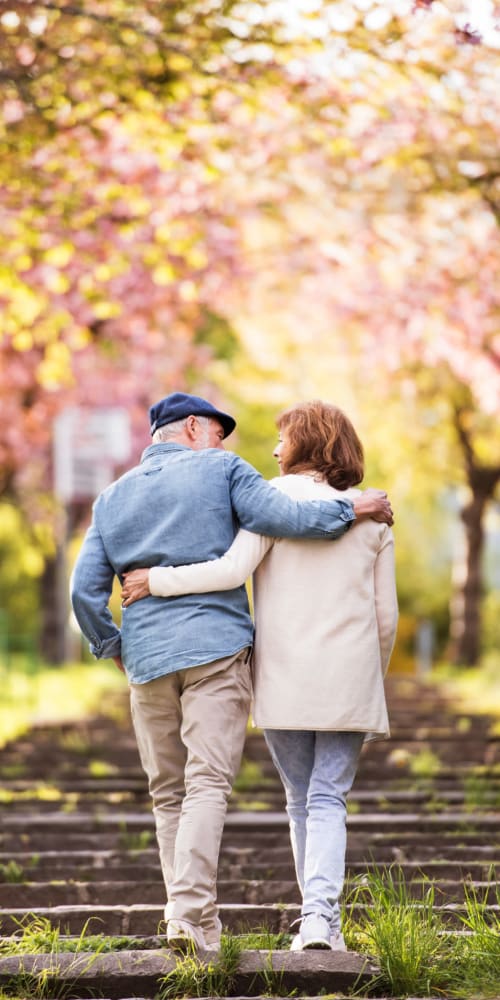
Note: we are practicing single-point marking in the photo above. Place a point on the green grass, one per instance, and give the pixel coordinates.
(53, 694)
(474, 690)
(134, 841)
(37, 937)
(193, 978)
(477, 961)
(417, 954)
(412, 945)
(264, 940)
(12, 872)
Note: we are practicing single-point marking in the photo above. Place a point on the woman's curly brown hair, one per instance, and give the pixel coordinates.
(320, 438)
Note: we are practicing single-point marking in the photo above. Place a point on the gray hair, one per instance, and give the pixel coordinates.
(175, 428)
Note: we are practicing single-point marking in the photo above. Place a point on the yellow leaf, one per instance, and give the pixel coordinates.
(196, 258)
(163, 234)
(103, 272)
(59, 256)
(57, 282)
(23, 262)
(107, 310)
(22, 341)
(164, 274)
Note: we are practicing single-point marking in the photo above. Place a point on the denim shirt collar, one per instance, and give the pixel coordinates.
(161, 447)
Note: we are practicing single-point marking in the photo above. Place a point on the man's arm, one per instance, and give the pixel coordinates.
(90, 589)
(268, 511)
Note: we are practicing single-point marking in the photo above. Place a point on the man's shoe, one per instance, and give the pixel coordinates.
(314, 933)
(183, 936)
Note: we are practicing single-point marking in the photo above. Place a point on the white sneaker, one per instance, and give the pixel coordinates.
(314, 933)
(183, 936)
(337, 942)
(296, 944)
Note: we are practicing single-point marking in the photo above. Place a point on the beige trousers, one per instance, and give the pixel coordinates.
(190, 728)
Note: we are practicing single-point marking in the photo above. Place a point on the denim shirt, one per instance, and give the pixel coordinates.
(182, 506)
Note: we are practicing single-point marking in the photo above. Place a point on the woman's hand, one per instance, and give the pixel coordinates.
(135, 586)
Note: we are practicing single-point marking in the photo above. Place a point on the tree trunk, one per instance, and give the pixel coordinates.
(465, 608)
(465, 626)
(54, 610)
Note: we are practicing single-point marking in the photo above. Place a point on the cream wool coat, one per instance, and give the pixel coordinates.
(325, 615)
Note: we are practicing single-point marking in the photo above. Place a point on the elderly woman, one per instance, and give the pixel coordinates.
(325, 623)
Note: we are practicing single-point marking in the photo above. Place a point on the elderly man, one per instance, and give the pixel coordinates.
(186, 658)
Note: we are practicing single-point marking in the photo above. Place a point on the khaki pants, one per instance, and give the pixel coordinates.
(190, 728)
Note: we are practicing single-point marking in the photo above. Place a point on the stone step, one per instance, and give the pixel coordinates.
(97, 835)
(440, 842)
(455, 752)
(134, 974)
(143, 919)
(245, 823)
(99, 866)
(111, 799)
(248, 891)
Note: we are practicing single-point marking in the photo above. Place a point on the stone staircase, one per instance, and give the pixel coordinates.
(77, 845)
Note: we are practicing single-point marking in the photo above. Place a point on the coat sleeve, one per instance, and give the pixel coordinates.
(226, 573)
(90, 589)
(386, 600)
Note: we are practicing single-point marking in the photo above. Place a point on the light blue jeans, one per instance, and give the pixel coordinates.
(317, 770)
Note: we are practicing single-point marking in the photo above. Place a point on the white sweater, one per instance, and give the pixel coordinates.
(325, 614)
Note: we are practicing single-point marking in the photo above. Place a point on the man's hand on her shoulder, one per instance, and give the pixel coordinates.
(375, 504)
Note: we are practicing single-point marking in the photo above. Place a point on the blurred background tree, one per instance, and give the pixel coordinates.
(260, 202)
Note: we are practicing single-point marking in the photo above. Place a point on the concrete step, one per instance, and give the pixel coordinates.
(110, 797)
(101, 866)
(141, 974)
(245, 823)
(90, 853)
(142, 919)
(248, 891)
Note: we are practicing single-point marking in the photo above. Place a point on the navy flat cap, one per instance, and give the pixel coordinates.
(179, 405)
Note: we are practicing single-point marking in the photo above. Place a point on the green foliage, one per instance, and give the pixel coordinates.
(478, 957)
(402, 931)
(134, 841)
(216, 332)
(424, 764)
(202, 194)
(264, 940)
(474, 690)
(54, 694)
(417, 954)
(11, 871)
(37, 937)
(249, 775)
(193, 978)
(491, 622)
(257, 435)
(21, 561)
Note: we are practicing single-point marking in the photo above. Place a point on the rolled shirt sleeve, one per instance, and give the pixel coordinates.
(90, 589)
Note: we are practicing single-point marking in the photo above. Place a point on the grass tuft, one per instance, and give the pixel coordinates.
(477, 955)
(403, 932)
(193, 978)
(417, 954)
